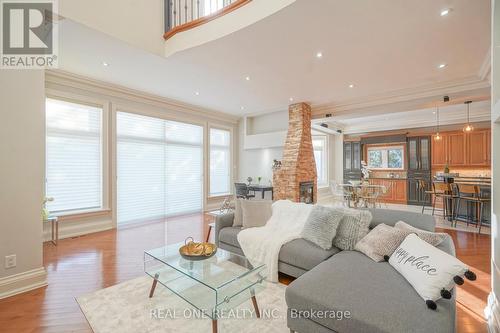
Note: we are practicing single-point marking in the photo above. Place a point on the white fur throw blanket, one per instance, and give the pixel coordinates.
(263, 244)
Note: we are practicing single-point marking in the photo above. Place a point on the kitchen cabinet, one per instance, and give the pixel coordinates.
(352, 161)
(396, 189)
(461, 149)
(440, 150)
(477, 147)
(457, 149)
(416, 195)
(419, 154)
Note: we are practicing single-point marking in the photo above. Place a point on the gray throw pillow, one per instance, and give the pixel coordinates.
(353, 226)
(321, 226)
(255, 213)
(433, 238)
(381, 241)
(238, 213)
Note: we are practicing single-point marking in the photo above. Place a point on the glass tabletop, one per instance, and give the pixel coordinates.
(220, 282)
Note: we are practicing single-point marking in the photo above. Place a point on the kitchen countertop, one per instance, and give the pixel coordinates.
(391, 178)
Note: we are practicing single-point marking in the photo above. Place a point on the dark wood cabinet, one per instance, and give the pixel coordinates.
(419, 154)
(419, 168)
(352, 160)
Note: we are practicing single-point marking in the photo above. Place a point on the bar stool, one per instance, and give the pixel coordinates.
(471, 194)
(444, 192)
(422, 187)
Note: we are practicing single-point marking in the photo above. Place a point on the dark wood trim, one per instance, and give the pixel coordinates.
(205, 19)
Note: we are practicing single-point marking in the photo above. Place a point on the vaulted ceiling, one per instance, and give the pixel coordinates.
(386, 49)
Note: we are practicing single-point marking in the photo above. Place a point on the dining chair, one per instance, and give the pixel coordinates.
(241, 191)
(337, 192)
(370, 194)
(349, 194)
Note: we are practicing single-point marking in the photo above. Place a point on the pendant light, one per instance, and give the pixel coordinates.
(468, 127)
(437, 136)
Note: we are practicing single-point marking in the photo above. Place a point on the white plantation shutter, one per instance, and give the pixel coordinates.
(220, 161)
(160, 167)
(73, 156)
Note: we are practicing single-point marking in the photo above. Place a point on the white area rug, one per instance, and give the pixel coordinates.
(126, 308)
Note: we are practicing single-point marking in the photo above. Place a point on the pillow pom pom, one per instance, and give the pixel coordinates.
(470, 275)
(458, 280)
(386, 257)
(431, 304)
(445, 294)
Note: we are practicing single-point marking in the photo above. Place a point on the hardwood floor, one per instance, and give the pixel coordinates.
(84, 264)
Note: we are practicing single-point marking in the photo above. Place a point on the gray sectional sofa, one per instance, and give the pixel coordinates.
(374, 296)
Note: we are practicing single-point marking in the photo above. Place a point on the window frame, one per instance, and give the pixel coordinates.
(385, 156)
(231, 159)
(105, 158)
(326, 159)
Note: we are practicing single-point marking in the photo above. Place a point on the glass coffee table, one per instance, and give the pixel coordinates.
(212, 285)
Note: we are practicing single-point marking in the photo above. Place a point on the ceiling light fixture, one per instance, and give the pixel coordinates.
(468, 127)
(437, 136)
(291, 99)
(319, 55)
(242, 107)
(351, 86)
(441, 66)
(197, 93)
(247, 78)
(105, 64)
(445, 11)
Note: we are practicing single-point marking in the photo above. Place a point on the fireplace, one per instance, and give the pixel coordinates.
(295, 178)
(306, 192)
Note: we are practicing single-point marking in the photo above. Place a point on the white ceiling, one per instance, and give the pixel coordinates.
(379, 46)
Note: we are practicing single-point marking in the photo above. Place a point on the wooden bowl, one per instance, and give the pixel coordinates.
(197, 251)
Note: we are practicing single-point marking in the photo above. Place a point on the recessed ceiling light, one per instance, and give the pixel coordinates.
(319, 55)
(197, 93)
(433, 112)
(105, 64)
(445, 11)
(242, 107)
(247, 78)
(441, 66)
(291, 99)
(351, 86)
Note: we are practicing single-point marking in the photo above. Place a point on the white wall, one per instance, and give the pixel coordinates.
(22, 174)
(493, 310)
(139, 23)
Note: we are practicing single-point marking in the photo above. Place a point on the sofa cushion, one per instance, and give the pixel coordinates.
(304, 254)
(229, 236)
(391, 217)
(377, 297)
(321, 226)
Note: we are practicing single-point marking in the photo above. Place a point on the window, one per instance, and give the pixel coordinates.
(386, 157)
(320, 146)
(220, 162)
(74, 156)
(159, 166)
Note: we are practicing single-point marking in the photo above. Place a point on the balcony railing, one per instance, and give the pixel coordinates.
(182, 15)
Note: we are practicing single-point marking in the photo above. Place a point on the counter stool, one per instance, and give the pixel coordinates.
(444, 192)
(471, 194)
(422, 187)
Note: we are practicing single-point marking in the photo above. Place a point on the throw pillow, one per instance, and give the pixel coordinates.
(255, 213)
(381, 241)
(353, 226)
(321, 226)
(432, 272)
(433, 238)
(238, 213)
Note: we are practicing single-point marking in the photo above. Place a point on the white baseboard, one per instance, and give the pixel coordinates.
(22, 282)
(68, 229)
(492, 313)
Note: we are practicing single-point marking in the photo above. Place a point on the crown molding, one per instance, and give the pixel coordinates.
(403, 95)
(114, 90)
(485, 69)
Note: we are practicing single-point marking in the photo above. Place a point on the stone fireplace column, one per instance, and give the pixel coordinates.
(298, 165)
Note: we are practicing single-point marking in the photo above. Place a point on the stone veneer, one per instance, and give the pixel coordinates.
(298, 163)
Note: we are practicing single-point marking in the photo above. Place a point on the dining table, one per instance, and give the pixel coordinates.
(262, 189)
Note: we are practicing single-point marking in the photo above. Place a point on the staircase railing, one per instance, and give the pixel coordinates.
(181, 15)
